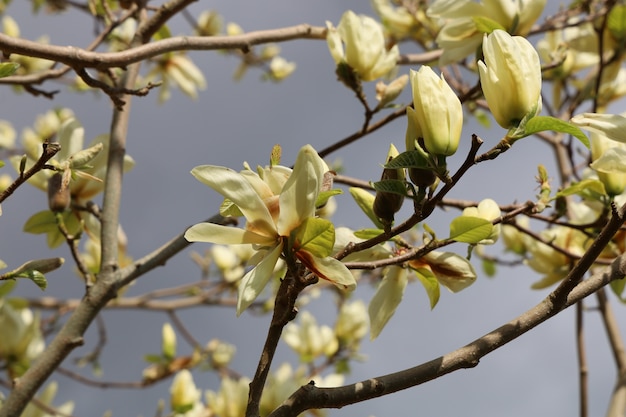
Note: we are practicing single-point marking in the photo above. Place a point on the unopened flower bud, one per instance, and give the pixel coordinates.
(58, 193)
(387, 204)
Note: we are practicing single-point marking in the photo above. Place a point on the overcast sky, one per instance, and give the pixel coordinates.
(235, 122)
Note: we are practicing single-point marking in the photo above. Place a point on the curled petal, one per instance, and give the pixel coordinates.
(237, 189)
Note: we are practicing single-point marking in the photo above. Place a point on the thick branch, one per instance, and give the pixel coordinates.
(81, 58)
(309, 396)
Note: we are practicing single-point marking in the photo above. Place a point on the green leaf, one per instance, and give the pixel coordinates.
(229, 209)
(409, 159)
(153, 358)
(365, 200)
(183, 408)
(368, 233)
(42, 222)
(391, 186)
(324, 196)
(486, 25)
(543, 123)
(469, 229)
(616, 22)
(8, 68)
(316, 236)
(583, 187)
(1, 164)
(430, 283)
(39, 279)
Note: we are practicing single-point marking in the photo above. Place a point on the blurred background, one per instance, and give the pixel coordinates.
(232, 122)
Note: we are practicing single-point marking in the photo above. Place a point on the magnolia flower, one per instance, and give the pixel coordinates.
(7, 135)
(21, 341)
(514, 240)
(548, 261)
(387, 93)
(310, 340)
(464, 21)
(280, 68)
(487, 209)
(608, 160)
(437, 115)
(184, 396)
(352, 322)
(510, 65)
(365, 50)
(231, 400)
(177, 70)
(45, 398)
(168, 343)
(279, 221)
(451, 270)
(612, 126)
(220, 353)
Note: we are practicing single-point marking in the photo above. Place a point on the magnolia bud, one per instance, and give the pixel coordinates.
(387, 204)
(58, 193)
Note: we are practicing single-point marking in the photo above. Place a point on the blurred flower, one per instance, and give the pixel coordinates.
(437, 114)
(277, 217)
(28, 65)
(352, 323)
(184, 396)
(280, 68)
(397, 21)
(464, 22)
(231, 400)
(510, 64)
(7, 135)
(178, 70)
(22, 341)
(487, 209)
(603, 150)
(310, 340)
(121, 37)
(365, 50)
(514, 240)
(387, 93)
(209, 23)
(229, 264)
(221, 353)
(46, 397)
(168, 344)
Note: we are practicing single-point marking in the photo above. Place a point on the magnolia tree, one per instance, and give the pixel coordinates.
(272, 246)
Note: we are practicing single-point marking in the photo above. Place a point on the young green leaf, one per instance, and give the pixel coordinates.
(583, 187)
(468, 229)
(8, 68)
(316, 236)
(409, 159)
(543, 123)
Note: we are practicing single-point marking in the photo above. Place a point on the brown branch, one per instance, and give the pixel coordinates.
(310, 397)
(81, 58)
(49, 150)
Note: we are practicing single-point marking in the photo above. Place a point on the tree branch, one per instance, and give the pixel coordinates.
(310, 397)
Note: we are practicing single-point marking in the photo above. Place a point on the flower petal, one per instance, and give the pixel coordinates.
(297, 199)
(329, 269)
(215, 233)
(253, 283)
(237, 189)
(387, 298)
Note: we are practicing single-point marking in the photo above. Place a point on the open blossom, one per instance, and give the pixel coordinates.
(21, 341)
(364, 41)
(510, 65)
(280, 220)
(461, 35)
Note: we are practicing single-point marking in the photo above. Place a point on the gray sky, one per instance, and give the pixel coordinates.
(235, 122)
